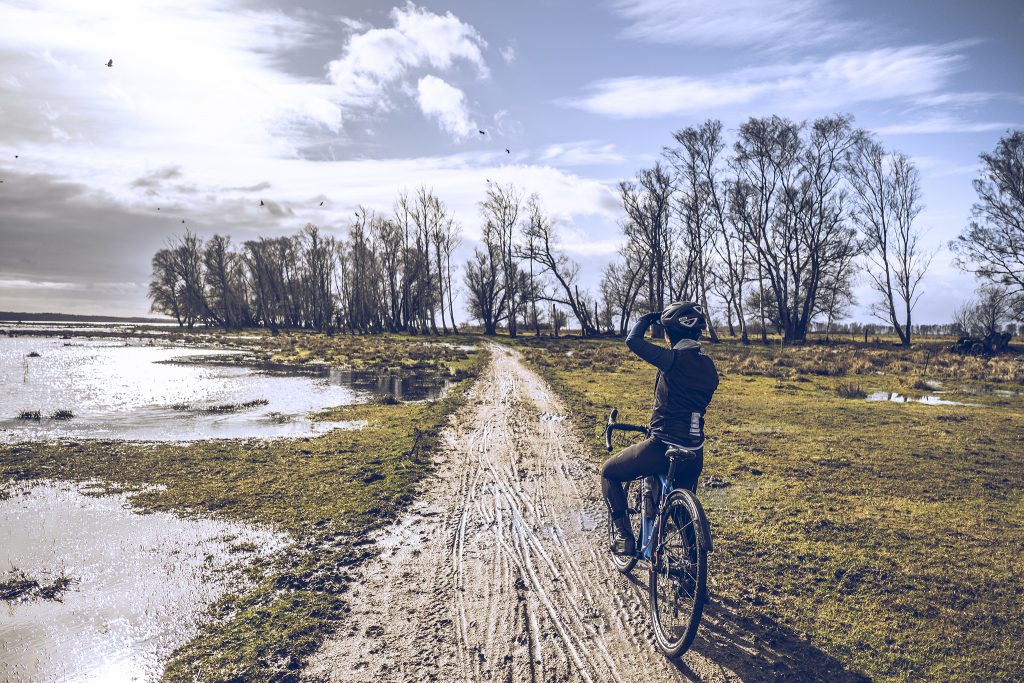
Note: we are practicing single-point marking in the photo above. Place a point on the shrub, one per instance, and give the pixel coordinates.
(850, 390)
(30, 415)
(62, 414)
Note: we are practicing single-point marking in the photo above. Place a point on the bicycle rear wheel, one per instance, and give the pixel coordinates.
(678, 584)
(634, 491)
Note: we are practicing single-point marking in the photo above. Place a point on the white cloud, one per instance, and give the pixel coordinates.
(37, 284)
(942, 124)
(775, 24)
(379, 57)
(889, 73)
(446, 103)
(508, 53)
(585, 153)
(198, 74)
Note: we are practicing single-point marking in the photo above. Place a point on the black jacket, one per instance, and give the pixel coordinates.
(686, 381)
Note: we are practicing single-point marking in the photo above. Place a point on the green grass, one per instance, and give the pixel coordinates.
(328, 492)
(889, 534)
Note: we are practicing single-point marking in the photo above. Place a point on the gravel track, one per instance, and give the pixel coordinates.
(499, 572)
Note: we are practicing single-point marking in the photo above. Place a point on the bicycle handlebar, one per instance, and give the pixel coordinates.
(612, 425)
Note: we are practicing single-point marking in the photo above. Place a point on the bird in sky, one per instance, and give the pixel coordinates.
(110, 62)
(261, 202)
(182, 220)
(15, 156)
(482, 132)
(158, 208)
(507, 151)
(321, 203)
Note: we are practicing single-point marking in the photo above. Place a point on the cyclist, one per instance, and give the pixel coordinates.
(686, 380)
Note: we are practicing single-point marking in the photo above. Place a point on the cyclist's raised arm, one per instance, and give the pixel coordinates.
(658, 356)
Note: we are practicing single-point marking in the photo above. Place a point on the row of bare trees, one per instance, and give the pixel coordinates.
(390, 273)
(519, 273)
(771, 227)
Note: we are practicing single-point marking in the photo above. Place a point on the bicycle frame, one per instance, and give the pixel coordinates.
(662, 481)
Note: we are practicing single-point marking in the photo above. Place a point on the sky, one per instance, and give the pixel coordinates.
(211, 106)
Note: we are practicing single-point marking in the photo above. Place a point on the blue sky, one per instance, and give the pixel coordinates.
(212, 105)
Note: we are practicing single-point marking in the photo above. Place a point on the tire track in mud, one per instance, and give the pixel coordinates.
(499, 572)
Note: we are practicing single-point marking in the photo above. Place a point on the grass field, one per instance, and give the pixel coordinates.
(327, 492)
(890, 534)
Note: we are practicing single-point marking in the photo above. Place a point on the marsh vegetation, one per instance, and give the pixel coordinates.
(887, 533)
(327, 492)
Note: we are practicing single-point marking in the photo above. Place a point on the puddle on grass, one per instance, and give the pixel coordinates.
(900, 398)
(989, 391)
(402, 388)
(140, 583)
(136, 390)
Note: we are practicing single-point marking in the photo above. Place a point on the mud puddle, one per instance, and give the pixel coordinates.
(137, 584)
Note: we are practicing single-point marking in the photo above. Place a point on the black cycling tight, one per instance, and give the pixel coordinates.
(641, 460)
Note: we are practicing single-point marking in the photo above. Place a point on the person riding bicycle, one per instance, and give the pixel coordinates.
(686, 381)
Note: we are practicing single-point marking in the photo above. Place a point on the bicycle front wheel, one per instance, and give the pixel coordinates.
(679, 573)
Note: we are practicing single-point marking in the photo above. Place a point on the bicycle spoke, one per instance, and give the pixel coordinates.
(677, 593)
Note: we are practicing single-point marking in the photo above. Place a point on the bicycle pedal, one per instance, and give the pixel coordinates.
(623, 548)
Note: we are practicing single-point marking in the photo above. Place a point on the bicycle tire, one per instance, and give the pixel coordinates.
(678, 580)
(634, 491)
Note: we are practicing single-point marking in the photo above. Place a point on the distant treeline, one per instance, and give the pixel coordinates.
(772, 229)
(13, 316)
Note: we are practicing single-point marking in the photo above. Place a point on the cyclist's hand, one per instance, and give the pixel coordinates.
(653, 318)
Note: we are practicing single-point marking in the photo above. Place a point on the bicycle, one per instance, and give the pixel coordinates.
(674, 537)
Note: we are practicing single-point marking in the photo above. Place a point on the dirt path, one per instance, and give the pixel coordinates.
(499, 573)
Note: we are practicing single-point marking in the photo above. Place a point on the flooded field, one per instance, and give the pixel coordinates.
(137, 584)
(86, 388)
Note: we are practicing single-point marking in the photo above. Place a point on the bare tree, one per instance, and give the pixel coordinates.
(501, 209)
(165, 287)
(887, 200)
(986, 313)
(485, 284)
(791, 206)
(648, 205)
(541, 249)
(622, 281)
(701, 207)
(992, 245)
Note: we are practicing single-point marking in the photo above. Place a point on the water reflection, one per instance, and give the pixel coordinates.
(900, 398)
(140, 582)
(402, 388)
(138, 390)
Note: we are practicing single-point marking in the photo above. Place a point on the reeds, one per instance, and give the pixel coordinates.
(850, 390)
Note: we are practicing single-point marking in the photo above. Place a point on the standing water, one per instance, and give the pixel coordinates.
(138, 583)
(134, 390)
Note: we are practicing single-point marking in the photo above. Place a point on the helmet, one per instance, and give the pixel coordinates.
(685, 316)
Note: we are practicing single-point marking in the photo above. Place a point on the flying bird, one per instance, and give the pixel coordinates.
(507, 151)
(482, 132)
(182, 220)
(261, 202)
(15, 156)
(110, 62)
(321, 203)
(158, 208)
